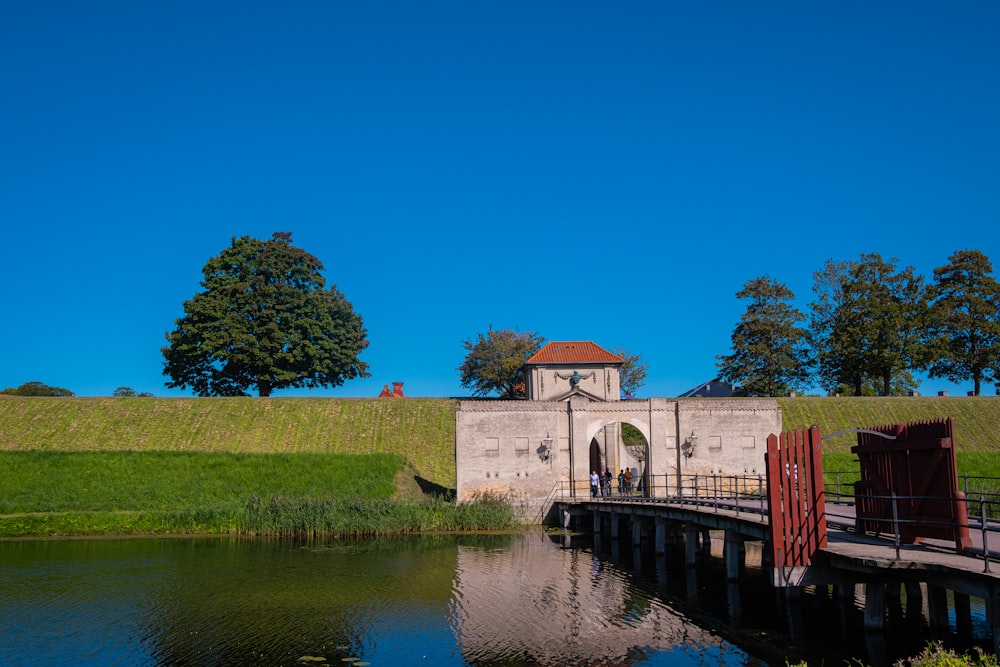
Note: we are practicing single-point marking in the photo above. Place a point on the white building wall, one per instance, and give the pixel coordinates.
(499, 446)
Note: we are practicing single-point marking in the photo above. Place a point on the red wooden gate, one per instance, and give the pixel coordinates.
(917, 463)
(796, 503)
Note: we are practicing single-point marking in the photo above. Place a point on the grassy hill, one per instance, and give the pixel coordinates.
(976, 419)
(421, 429)
(73, 466)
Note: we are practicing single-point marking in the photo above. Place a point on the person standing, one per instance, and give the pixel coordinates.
(628, 480)
(607, 483)
(621, 482)
(595, 480)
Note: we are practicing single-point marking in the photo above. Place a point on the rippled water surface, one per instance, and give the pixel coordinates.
(455, 600)
(501, 600)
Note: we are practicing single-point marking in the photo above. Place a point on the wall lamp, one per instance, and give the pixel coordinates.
(689, 444)
(545, 449)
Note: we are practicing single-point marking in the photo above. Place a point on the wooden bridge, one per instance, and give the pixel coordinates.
(928, 542)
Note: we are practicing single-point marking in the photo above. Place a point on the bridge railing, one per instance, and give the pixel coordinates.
(839, 488)
(748, 494)
(740, 493)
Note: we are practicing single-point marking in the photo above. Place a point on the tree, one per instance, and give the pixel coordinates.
(36, 388)
(770, 351)
(264, 320)
(495, 362)
(129, 392)
(964, 320)
(632, 375)
(867, 324)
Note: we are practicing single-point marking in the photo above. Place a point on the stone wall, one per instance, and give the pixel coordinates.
(529, 451)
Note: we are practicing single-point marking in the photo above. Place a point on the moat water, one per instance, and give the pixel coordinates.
(498, 600)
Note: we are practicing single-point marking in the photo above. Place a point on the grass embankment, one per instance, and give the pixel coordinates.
(144, 465)
(224, 465)
(976, 422)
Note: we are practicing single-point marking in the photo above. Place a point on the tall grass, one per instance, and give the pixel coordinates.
(93, 493)
(368, 517)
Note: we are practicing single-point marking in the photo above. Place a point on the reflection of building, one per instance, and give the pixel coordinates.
(571, 425)
(536, 604)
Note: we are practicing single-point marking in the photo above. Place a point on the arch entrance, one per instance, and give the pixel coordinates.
(597, 459)
(636, 454)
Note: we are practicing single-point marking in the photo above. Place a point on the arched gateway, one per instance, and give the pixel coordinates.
(572, 423)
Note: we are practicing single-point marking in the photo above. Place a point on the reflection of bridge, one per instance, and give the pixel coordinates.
(874, 540)
(540, 604)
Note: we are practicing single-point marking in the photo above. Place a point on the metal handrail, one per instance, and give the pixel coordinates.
(732, 493)
(739, 493)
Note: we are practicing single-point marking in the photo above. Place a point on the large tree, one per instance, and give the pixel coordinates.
(633, 371)
(868, 324)
(36, 388)
(265, 320)
(770, 352)
(495, 362)
(964, 320)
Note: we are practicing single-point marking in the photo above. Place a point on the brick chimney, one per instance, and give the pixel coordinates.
(397, 390)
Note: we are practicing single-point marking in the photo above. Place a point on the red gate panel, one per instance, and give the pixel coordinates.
(796, 502)
(918, 465)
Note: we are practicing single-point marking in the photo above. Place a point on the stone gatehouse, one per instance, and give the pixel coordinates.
(571, 424)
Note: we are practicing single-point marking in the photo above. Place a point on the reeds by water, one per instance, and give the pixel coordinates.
(284, 516)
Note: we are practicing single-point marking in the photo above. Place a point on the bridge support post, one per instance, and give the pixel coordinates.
(660, 542)
(937, 608)
(793, 612)
(914, 604)
(845, 595)
(874, 606)
(963, 615)
(733, 555)
(614, 525)
(690, 544)
(597, 522)
(893, 600)
(636, 531)
(993, 616)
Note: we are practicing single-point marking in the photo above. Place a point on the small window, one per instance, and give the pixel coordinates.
(715, 442)
(748, 441)
(521, 446)
(492, 446)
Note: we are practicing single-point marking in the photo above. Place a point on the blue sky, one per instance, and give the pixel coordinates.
(597, 171)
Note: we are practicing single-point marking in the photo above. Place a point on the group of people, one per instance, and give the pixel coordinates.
(600, 485)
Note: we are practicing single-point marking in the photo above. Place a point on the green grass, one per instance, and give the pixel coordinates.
(976, 418)
(96, 493)
(179, 481)
(421, 429)
(153, 465)
(88, 493)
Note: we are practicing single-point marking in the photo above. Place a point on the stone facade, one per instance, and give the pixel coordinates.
(530, 451)
(556, 383)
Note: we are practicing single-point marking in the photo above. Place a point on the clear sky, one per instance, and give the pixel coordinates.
(606, 171)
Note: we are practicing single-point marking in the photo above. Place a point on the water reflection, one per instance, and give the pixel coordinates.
(450, 600)
(532, 604)
(500, 600)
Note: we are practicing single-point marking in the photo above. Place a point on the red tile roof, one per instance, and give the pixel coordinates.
(574, 352)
